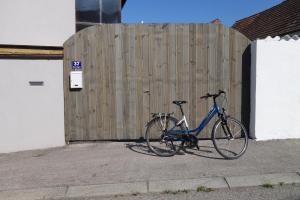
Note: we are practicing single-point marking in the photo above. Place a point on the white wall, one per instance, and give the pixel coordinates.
(275, 89)
(31, 117)
(36, 22)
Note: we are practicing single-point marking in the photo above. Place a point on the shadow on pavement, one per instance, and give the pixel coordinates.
(140, 147)
(204, 151)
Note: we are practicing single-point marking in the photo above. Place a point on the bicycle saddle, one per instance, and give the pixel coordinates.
(179, 102)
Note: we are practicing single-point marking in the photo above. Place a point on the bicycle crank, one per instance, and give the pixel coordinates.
(191, 141)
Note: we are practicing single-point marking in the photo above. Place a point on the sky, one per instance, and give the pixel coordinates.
(192, 11)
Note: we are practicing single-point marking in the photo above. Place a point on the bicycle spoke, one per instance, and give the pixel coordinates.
(235, 145)
(157, 141)
(233, 135)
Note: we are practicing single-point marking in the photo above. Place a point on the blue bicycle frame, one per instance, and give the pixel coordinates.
(214, 110)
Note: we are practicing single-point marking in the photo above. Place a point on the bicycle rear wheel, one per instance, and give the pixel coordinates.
(158, 141)
(230, 138)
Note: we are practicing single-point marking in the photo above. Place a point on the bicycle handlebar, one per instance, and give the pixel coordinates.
(213, 95)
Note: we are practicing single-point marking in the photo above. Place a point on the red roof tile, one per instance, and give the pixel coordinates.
(279, 20)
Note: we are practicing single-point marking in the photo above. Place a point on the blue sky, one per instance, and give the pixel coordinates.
(192, 11)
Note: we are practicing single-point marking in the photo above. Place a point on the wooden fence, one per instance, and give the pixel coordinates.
(131, 71)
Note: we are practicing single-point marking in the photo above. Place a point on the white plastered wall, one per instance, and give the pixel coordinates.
(36, 22)
(31, 117)
(275, 89)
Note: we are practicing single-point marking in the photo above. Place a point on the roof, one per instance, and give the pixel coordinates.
(123, 2)
(281, 19)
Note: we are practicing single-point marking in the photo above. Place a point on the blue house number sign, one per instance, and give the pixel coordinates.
(76, 64)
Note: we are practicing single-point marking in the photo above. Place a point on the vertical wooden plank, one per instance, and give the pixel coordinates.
(105, 81)
(151, 67)
(85, 98)
(145, 76)
(155, 72)
(139, 86)
(85, 91)
(91, 87)
(107, 70)
(132, 84)
(126, 82)
(192, 76)
(103, 103)
(119, 82)
(172, 38)
(232, 53)
(225, 77)
(212, 59)
(79, 98)
(165, 69)
(179, 65)
(158, 69)
(139, 81)
(199, 91)
(185, 69)
(218, 58)
(99, 65)
(202, 73)
(112, 81)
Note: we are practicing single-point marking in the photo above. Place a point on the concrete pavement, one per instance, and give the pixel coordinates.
(95, 169)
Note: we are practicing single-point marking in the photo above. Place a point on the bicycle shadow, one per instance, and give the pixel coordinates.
(140, 147)
(204, 151)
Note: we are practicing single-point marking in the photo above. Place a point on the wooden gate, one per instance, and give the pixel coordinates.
(130, 71)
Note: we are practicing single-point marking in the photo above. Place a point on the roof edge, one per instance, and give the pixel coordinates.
(123, 2)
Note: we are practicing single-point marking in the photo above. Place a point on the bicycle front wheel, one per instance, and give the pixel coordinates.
(230, 138)
(157, 139)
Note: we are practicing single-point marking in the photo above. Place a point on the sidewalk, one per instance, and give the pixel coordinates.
(120, 168)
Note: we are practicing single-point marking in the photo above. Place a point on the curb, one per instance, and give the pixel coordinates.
(187, 184)
(274, 179)
(106, 189)
(149, 186)
(32, 194)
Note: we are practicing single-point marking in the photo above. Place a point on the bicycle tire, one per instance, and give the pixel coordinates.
(153, 141)
(239, 140)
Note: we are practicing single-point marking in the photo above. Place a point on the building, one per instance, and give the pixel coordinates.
(31, 39)
(279, 20)
(52, 22)
(91, 12)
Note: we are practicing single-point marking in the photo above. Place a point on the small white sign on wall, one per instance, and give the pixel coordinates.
(76, 79)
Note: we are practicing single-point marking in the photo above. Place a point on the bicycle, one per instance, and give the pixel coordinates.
(170, 135)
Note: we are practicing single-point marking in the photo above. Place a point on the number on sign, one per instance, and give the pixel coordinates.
(76, 64)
